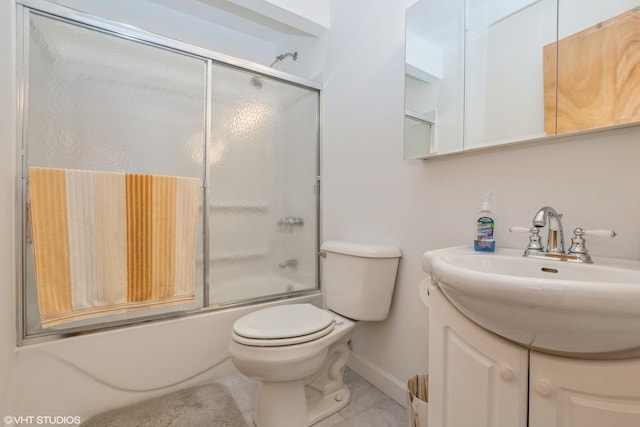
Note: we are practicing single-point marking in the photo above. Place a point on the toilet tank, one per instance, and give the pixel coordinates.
(358, 279)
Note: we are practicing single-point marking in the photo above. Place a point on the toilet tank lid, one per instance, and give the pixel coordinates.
(361, 249)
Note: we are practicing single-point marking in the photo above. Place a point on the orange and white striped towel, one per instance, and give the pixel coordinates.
(106, 243)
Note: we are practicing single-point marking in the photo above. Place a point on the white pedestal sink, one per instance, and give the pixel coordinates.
(582, 310)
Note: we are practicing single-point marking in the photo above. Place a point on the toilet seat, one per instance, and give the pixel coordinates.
(283, 325)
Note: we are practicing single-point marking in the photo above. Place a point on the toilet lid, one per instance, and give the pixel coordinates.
(283, 322)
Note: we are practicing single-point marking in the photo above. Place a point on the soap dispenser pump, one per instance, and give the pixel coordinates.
(484, 228)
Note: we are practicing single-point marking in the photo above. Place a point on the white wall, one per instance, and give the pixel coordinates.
(371, 195)
(314, 10)
(170, 22)
(200, 24)
(7, 206)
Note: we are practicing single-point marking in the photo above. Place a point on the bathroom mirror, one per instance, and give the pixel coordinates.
(491, 73)
(434, 96)
(504, 95)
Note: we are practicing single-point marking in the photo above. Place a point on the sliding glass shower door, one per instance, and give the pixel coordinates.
(97, 101)
(263, 195)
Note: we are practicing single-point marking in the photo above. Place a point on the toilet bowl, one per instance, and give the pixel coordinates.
(298, 352)
(299, 381)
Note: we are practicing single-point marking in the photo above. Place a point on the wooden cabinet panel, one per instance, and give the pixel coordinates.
(583, 393)
(479, 379)
(476, 378)
(598, 76)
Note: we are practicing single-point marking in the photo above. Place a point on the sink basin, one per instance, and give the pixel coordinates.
(586, 310)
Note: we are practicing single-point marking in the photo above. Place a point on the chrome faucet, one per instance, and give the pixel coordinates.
(555, 238)
(290, 263)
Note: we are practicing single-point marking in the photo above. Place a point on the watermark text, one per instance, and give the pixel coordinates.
(11, 420)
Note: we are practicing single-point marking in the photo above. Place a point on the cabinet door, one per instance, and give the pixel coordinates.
(475, 377)
(584, 393)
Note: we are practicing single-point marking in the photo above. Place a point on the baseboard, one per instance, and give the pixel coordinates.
(383, 381)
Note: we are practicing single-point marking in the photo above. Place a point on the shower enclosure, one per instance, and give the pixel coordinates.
(98, 96)
(263, 204)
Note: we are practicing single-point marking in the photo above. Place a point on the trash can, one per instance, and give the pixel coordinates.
(418, 396)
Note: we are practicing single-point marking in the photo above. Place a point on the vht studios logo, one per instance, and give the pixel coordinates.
(41, 420)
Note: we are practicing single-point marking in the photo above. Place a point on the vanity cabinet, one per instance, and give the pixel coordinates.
(476, 378)
(583, 393)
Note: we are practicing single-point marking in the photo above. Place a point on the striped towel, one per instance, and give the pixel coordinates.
(107, 243)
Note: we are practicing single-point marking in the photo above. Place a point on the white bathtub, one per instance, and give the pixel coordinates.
(89, 374)
(250, 287)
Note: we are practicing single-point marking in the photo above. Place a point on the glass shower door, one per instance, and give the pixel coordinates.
(97, 101)
(263, 190)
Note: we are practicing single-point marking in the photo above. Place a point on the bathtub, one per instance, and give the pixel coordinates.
(258, 286)
(88, 374)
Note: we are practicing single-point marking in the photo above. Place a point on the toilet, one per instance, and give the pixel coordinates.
(297, 352)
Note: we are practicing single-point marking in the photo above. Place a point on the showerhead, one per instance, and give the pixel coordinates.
(257, 82)
(283, 56)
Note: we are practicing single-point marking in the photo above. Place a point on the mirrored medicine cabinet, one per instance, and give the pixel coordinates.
(483, 73)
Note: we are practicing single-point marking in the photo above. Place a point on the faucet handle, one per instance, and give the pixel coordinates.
(578, 244)
(534, 238)
(596, 233)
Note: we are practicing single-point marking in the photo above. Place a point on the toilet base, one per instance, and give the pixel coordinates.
(305, 402)
(321, 406)
(280, 404)
(287, 409)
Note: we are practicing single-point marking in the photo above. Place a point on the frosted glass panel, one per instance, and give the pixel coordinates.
(101, 102)
(263, 176)
(97, 101)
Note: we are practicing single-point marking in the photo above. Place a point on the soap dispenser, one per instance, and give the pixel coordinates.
(484, 228)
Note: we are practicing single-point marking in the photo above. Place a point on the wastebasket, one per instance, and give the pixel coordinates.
(418, 398)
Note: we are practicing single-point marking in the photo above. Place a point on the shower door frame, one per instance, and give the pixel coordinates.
(45, 8)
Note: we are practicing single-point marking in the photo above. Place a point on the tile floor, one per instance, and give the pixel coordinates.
(369, 407)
